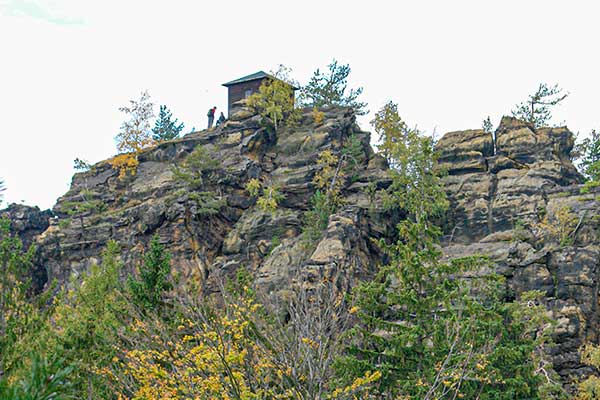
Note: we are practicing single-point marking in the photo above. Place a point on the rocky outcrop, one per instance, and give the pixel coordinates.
(516, 197)
(208, 244)
(493, 183)
(27, 223)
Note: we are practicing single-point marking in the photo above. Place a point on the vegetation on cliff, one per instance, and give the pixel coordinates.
(422, 326)
(165, 127)
(275, 100)
(429, 333)
(589, 152)
(329, 88)
(537, 109)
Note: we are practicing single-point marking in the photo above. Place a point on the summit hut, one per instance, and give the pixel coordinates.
(243, 87)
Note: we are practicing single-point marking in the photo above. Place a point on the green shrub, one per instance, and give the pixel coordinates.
(153, 281)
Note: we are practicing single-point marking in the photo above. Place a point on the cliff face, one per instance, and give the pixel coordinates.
(516, 198)
(514, 195)
(207, 246)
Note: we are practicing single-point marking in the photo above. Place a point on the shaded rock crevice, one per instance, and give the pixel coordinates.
(491, 196)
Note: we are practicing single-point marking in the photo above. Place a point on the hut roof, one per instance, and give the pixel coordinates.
(252, 77)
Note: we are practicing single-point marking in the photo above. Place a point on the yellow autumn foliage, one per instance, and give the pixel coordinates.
(125, 163)
(589, 388)
(221, 351)
(253, 187)
(318, 116)
(330, 177)
(134, 136)
(217, 356)
(274, 100)
(358, 389)
(268, 197)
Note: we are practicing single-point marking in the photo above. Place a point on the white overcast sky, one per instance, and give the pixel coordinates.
(67, 65)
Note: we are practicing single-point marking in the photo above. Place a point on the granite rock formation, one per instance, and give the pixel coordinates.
(206, 246)
(517, 198)
(514, 196)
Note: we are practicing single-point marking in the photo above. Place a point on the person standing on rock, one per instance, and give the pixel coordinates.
(211, 116)
(220, 120)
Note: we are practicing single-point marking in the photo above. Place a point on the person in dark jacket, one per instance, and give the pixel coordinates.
(220, 120)
(211, 116)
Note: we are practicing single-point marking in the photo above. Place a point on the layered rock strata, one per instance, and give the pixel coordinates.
(206, 246)
(516, 197)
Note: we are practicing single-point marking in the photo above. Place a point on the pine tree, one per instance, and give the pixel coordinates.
(536, 110)
(165, 128)
(487, 125)
(590, 156)
(45, 380)
(153, 281)
(81, 165)
(329, 89)
(197, 168)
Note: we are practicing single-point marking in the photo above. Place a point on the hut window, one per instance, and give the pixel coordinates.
(248, 93)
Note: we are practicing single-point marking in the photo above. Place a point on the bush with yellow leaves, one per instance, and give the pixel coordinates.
(253, 187)
(589, 389)
(213, 355)
(275, 101)
(268, 198)
(125, 163)
(318, 116)
(233, 347)
(329, 179)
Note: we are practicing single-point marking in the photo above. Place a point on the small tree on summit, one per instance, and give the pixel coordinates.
(536, 110)
(135, 134)
(275, 98)
(165, 128)
(329, 89)
(487, 125)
